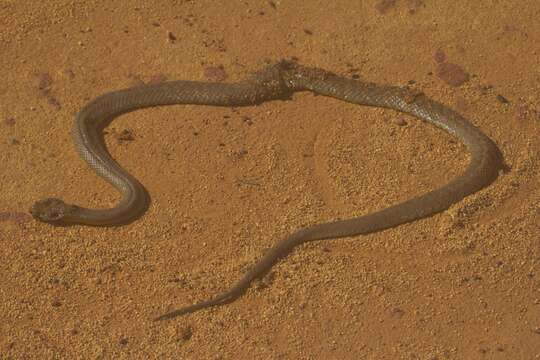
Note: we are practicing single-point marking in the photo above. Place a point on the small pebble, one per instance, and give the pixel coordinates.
(502, 99)
(186, 333)
(124, 135)
(171, 37)
(399, 122)
(240, 153)
(484, 89)
(397, 312)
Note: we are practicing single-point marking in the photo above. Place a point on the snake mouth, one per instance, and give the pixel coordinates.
(50, 210)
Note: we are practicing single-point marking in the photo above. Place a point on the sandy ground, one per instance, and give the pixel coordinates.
(227, 183)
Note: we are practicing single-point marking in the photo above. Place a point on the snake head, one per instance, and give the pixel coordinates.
(51, 210)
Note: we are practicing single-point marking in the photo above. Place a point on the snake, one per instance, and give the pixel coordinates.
(277, 81)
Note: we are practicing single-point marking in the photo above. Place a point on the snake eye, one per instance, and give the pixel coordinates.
(49, 210)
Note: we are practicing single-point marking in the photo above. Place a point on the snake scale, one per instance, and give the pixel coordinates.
(277, 81)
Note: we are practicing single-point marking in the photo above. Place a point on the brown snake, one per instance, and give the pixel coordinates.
(277, 81)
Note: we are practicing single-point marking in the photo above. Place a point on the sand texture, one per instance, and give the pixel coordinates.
(227, 183)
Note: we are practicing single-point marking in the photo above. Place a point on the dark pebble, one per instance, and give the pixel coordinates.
(247, 120)
(484, 89)
(186, 333)
(45, 81)
(502, 99)
(171, 37)
(124, 135)
(397, 312)
(241, 153)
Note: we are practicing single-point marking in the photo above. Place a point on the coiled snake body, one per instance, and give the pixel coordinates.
(277, 81)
